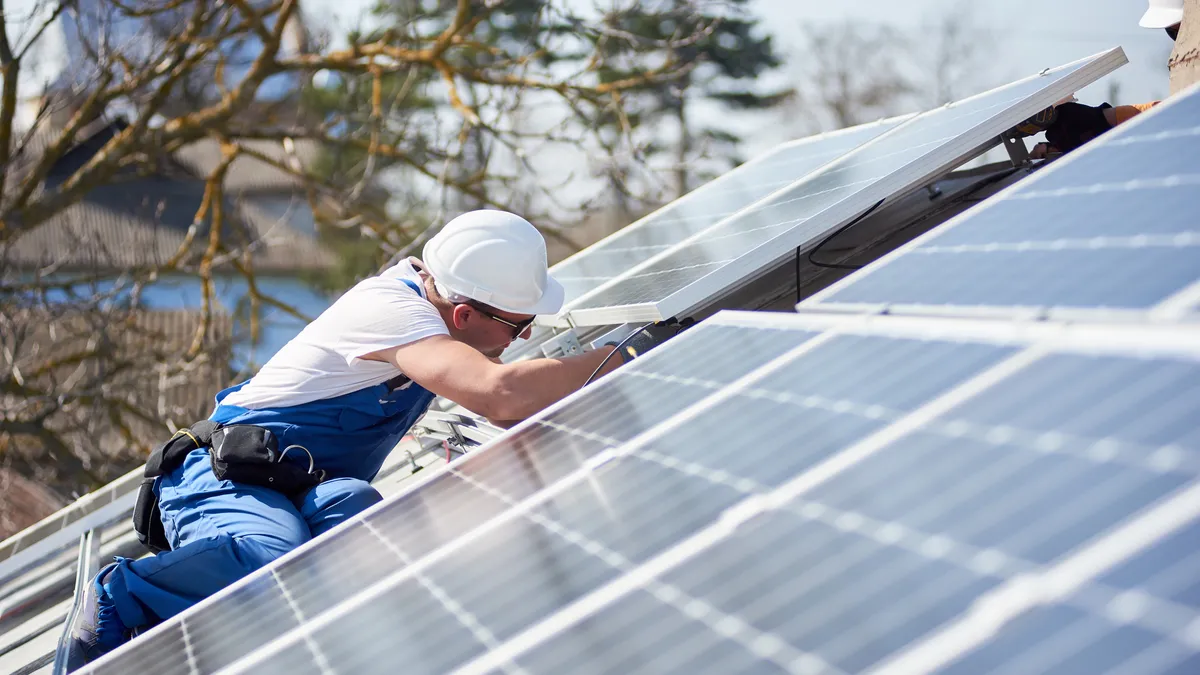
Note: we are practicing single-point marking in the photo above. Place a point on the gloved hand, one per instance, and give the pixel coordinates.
(1076, 124)
(652, 336)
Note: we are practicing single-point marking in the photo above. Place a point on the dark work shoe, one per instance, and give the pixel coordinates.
(97, 629)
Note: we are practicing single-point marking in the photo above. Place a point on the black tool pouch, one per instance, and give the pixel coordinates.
(147, 521)
(245, 453)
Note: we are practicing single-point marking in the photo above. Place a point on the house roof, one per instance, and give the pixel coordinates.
(90, 351)
(246, 173)
(144, 220)
(23, 502)
(150, 227)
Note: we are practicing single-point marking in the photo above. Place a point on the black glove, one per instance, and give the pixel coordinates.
(651, 336)
(1076, 124)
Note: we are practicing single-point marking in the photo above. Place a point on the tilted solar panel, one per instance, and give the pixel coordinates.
(801, 494)
(705, 206)
(739, 247)
(1109, 230)
(695, 212)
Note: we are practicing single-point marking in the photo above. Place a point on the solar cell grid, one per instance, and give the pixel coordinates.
(1109, 229)
(737, 247)
(881, 578)
(781, 493)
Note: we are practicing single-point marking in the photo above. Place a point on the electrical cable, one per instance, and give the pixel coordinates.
(610, 354)
(964, 196)
(826, 240)
(835, 233)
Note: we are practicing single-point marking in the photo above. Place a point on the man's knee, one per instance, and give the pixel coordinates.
(255, 552)
(335, 501)
(357, 495)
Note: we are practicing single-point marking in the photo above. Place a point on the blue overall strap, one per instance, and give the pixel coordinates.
(348, 435)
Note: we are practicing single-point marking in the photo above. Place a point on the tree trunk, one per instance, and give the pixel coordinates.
(683, 152)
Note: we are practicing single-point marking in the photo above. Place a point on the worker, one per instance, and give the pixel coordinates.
(1076, 124)
(337, 398)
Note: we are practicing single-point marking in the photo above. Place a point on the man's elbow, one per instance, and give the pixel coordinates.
(503, 398)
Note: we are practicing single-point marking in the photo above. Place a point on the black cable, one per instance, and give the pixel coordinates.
(964, 196)
(826, 240)
(610, 354)
(835, 233)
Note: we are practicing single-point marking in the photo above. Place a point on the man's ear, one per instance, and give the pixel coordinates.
(460, 314)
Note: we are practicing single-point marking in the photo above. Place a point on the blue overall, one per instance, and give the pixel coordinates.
(221, 531)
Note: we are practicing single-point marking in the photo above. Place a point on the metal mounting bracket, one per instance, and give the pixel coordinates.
(565, 343)
(1017, 152)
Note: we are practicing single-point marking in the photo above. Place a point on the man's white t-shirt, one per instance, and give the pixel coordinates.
(323, 361)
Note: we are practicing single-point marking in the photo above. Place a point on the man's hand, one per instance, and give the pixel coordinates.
(652, 336)
(1077, 124)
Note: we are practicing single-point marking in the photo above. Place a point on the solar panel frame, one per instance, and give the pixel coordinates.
(1180, 306)
(915, 174)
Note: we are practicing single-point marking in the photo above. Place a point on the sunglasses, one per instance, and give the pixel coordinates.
(518, 327)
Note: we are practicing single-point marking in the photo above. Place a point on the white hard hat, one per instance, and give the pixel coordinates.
(1162, 14)
(496, 258)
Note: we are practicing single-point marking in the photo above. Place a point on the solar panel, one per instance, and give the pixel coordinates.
(739, 247)
(708, 204)
(818, 493)
(1109, 229)
(695, 212)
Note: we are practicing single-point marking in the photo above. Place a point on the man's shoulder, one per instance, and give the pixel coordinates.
(401, 278)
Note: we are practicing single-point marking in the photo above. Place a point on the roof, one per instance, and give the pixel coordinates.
(144, 220)
(23, 502)
(141, 359)
(247, 173)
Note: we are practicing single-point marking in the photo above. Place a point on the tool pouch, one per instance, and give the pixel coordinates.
(244, 453)
(147, 522)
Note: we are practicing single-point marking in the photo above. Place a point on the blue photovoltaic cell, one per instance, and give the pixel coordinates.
(707, 205)
(823, 200)
(1113, 227)
(908, 541)
(1166, 571)
(627, 638)
(1085, 643)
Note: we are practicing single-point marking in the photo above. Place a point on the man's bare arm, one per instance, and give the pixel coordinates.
(498, 391)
